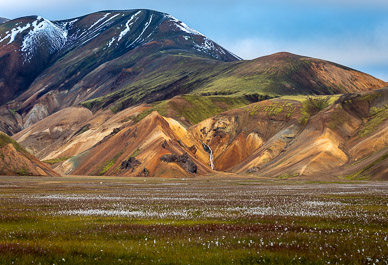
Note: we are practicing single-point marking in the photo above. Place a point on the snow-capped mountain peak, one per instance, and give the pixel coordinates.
(33, 34)
(43, 30)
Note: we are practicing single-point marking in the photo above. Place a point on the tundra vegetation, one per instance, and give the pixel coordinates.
(113, 220)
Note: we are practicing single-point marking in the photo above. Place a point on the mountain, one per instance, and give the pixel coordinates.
(322, 137)
(117, 59)
(50, 65)
(139, 93)
(3, 20)
(14, 160)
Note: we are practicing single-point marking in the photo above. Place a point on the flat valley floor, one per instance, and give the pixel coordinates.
(116, 220)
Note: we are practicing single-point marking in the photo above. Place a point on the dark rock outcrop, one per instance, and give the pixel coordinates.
(131, 163)
(146, 173)
(183, 160)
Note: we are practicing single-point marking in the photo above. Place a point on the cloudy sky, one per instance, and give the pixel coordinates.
(349, 32)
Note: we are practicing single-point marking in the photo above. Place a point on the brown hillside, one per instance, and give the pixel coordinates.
(14, 160)
(146, 141)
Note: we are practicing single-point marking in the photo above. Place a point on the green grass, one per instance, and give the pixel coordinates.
(183, 73)
(274, 109)
(201, 108)
(379, 116)
(287, 176)
(312, 104)
(23, 172)
(32, 231)
(5, 140)
(195, 108)
(12, 112)
(135, 153)
(109, 164)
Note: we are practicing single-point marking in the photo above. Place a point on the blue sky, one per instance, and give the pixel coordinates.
(349, 32)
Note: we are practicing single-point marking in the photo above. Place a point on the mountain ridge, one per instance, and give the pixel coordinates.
(55, 67)
(3, 20)
(139, 93)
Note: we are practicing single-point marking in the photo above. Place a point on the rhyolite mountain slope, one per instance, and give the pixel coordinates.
(14, 160)
(341, 136)
(117, 59)
(139, 93)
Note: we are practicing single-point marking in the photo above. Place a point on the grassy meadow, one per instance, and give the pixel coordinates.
(113, 220)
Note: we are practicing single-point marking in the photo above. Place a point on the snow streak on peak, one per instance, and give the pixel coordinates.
(128, 25)
(182, 26)
(43, 30)
(211, 48)
(141, 34)
(206, 46)
(69, 24)
(15, 31)
(102, 19)
(98, 21)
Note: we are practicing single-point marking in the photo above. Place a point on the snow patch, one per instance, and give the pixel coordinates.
(14, 32)
(141, 34)
(128, 25)
(103, 23)
(69, 24)
(98, 21)
(182, 26)
(109, 19)
(43, 29)
(207, 46)
(111, 41)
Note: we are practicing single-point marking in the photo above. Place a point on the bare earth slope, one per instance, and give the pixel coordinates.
(332, 141)
(14, 160)
(283, 137)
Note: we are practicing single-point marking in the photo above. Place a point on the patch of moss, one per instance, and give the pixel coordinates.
(201, 108)
(372, 124)
(12, 112)
(5, 140)
(196, 109)
(107, 167)
(22, 172)
(363, 173)
(82, 130)
(109, 164)
(57, 160)
(276, 108)
(287, 176)
(135, 153)
(312, 105)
